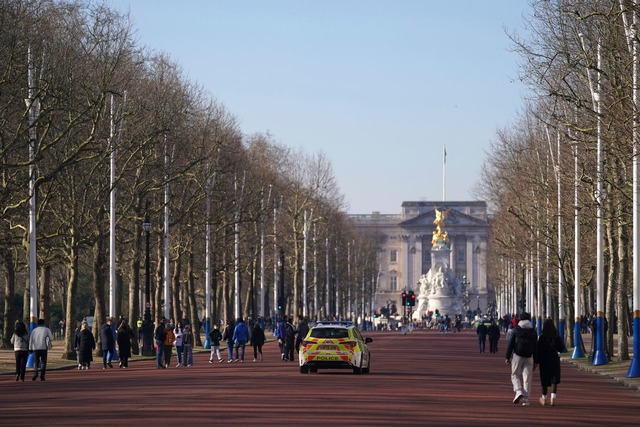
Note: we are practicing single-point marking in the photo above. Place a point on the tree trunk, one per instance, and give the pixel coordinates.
(99, 288)
(72, 287)
(10, 315)
(157, 299)
(45, 295)
(623, 278)
(193, 306)
(612, 278)
(178, 312)
(134, 288)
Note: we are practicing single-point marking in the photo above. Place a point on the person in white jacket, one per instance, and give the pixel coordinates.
(39, 344)
(20, 341)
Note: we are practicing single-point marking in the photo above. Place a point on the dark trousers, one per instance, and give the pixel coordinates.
(288, 349)
(40, 359)
(257, 348)
(107, 356)
(21, 363)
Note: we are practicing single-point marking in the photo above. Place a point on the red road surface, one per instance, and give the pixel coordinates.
(423, 378)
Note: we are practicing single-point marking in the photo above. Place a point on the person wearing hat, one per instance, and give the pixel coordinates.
(522, 354)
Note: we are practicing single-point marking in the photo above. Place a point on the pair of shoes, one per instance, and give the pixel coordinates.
(210, 360)
(254, 360)
(188, 366)
(79, 367)
(242, 361)
(35, 377)
(178, 365)
(110, 365)
(104, 367)
(237, 360)
(220, 360)
(229, 361)
(543, 401)
(518, 398)
(525, 402)
(552, 402)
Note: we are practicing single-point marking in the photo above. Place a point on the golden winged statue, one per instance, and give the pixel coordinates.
(440, 234)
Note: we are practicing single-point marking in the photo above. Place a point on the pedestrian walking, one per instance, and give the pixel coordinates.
(40, 342)
(159, 334)
(85, 344)
(493, 332)
(227, 336)
(187, 346)
(240, 337)
(303, 330)
(257, 341)
(169, 339)
(522, 349)
(289, 342)
(482, 332)
(107, 343)
(549, 345)
(281, 335)
(124, 335)
(215, 336)
(20, 341)
(178, 331)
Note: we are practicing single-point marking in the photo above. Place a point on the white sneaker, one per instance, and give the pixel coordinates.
(518, 398)
(525, 402)
(178, 365)
(210, 360)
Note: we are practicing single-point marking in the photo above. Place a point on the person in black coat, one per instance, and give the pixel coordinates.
(257, 340)
(549, 345)
(494, 336)
(85, 343)
(482, 331)
(124, 337)
(107, 343)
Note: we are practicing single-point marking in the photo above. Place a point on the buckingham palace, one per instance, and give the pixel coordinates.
(405, 248)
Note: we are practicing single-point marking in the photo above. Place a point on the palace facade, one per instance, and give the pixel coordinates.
(405, 253)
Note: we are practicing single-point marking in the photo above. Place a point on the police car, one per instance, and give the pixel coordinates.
(335, 346)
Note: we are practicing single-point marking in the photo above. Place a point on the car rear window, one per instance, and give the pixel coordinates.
(329, 333)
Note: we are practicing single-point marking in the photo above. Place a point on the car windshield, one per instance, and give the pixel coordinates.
(329, 333)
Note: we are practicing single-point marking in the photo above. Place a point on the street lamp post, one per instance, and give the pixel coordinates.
(281, 299)
(147, 326)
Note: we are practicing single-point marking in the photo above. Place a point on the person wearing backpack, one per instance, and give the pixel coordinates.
(522, 354)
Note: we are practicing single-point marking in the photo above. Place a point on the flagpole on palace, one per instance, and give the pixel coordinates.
(444, 172)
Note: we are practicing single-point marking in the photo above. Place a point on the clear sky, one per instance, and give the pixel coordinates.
(379, 86)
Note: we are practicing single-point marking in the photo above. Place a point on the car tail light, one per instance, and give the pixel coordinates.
(306, 343)
(350, 344)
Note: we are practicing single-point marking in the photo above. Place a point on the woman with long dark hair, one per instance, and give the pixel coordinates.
(549, 345)
(20, 341)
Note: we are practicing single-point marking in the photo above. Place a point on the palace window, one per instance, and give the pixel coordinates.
(393, 255)
(393, 282)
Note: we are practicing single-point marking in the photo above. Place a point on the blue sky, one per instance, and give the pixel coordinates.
(378, 86)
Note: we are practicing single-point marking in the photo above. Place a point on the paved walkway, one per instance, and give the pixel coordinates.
(615, 370)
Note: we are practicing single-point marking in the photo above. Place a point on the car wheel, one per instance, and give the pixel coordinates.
(304, 369)
(366, 370)
(358, 370)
